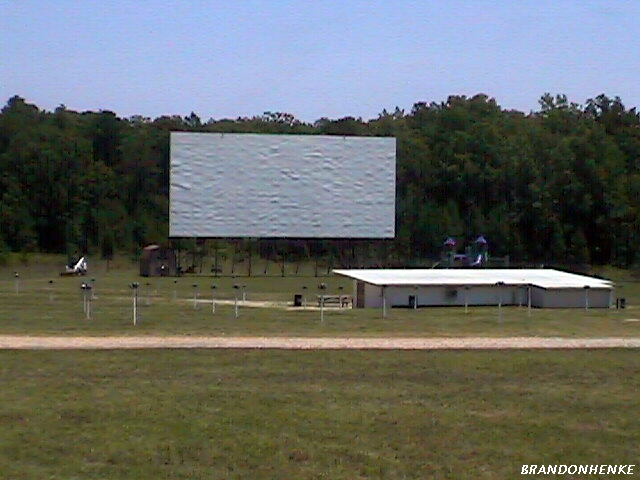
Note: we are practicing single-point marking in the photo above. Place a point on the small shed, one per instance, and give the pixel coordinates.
(157, 261)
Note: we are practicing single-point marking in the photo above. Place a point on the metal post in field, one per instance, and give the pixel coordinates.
(500, 285)
(384, 301)
(134, 287)
(586, 297)
(466, 299)
(213, 298)
(86, 299)
(322, 287)
(236, 287)
(195, 295)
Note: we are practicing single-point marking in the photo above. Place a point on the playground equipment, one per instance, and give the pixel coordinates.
(78, 268)
(476, 254)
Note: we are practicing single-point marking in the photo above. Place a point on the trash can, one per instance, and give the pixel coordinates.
(412, 301)
(297, 300)
(622, 302)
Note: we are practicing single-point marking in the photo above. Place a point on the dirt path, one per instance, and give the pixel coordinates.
(16, 342)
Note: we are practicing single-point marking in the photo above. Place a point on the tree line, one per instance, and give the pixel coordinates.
(560, 184)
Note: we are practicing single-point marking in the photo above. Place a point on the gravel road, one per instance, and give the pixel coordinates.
(16, 342)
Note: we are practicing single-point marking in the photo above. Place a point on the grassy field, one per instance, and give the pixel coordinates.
(39, 301)
(338, 415)
(300, 414)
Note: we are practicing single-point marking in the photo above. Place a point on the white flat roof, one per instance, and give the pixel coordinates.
(543, 278)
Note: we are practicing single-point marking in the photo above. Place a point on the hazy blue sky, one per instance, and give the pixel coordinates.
(313, 59)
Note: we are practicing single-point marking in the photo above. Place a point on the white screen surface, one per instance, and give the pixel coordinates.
(298, 186)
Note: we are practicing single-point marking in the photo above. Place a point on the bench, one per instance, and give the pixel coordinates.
(337, 300)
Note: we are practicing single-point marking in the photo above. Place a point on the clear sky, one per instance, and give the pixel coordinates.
(323, 58)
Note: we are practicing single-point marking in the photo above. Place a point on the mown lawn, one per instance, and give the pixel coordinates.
(41, 302)
(339, 415)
